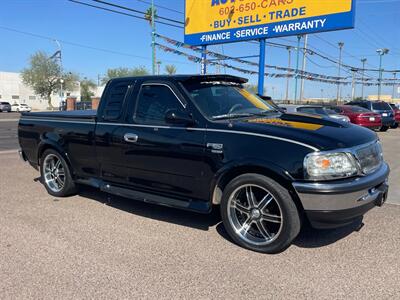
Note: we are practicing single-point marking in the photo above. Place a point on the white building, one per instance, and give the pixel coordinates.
(13, 90)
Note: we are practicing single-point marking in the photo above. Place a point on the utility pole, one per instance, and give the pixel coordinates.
(261, 68)
(153, 38)
(353, 85)
(289, 49)
(61, 71)
(158, 67)
(381, 53)
(297, 68)
(394, 85)
(364, 60)
(303, 67)
(338, 96)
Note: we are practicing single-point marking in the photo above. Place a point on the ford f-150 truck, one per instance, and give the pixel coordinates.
(204, 142)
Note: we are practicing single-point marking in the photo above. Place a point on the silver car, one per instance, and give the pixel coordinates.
(315, 110)
(5, 106)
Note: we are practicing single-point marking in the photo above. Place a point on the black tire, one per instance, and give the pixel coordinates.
(290, 219)
(384, 128)
(69, 187)
(396, 125)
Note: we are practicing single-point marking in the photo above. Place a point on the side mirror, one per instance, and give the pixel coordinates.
(174, 116)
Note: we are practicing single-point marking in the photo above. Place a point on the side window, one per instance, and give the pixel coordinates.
(153, 103)
(114, 100)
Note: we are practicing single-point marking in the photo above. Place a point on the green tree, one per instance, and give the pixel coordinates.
(44, 76)
(86, 89)
(124, 72)
(253, 88)
(170, 69)
(148, 15)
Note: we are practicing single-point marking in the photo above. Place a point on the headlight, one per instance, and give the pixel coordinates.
(325, 166)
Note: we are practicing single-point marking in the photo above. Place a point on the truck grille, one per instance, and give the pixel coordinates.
(370, 157)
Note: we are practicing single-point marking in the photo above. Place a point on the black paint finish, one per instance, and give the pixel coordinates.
(179, 161)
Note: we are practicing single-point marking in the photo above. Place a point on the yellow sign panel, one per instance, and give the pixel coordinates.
(218, 21)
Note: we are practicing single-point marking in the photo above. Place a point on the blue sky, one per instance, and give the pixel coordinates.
(94, 40)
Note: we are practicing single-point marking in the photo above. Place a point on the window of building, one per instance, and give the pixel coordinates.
(32, 97)
(153, 103)
(15, 97)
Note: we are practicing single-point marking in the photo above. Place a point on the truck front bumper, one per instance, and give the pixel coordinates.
(338, 203)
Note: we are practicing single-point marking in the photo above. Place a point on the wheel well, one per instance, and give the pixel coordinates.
(231, 174)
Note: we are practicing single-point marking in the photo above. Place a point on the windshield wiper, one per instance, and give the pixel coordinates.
(232, 116)
(266, 112)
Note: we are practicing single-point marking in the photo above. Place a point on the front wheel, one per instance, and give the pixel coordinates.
(384, 128)
(259, 214)
(56, 175)
(396, 125)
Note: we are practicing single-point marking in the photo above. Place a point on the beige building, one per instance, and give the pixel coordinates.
(13, 90)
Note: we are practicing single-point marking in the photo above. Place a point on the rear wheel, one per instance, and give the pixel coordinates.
(56, 175)
(259, 214)
(384, 128)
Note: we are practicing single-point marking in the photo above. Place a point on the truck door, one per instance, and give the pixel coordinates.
(155, 155)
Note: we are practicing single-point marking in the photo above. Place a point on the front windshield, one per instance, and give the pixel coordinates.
(224, 100)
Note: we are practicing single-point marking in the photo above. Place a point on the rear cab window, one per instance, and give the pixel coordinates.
(114, 101)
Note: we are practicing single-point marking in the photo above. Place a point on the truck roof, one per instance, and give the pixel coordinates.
(186, 78)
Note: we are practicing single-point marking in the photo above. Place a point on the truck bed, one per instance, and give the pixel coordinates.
(80, 114)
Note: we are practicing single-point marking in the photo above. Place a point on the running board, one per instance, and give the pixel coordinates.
(192, 205)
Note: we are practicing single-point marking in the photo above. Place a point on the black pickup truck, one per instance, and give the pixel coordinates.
(204, 142)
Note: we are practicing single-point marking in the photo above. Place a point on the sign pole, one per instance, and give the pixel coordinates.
(204, 60)
(261, 68)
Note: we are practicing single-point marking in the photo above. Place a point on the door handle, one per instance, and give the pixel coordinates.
(131, 137)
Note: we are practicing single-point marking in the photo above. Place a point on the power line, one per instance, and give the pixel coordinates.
(136, 11)
(120, 12)
(162, 7)
(82, 45)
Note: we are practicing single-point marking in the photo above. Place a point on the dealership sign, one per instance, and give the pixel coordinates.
(224, 21)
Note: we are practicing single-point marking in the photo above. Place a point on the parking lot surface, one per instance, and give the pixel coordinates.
(98, 246)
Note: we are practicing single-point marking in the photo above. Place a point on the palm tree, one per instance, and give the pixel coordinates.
(170, 69)
(148, 14)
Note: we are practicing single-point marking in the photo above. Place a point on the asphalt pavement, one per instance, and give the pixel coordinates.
(94, 245)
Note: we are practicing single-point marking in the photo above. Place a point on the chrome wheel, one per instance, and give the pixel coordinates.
(54, 173)
(255, 215)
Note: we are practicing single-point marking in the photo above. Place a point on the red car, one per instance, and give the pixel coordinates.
(360, 116)
(396, 114)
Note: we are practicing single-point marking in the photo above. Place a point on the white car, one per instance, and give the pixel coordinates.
(20, 107)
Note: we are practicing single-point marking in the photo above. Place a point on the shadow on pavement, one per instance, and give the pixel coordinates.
(308, 237)
(313, 238)
(148, 210)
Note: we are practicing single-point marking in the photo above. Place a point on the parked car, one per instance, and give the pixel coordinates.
(396, 114)
(5, 106)
(315, 110)
(203, 142)
(360, 116)
(20, 107)
(380, 107)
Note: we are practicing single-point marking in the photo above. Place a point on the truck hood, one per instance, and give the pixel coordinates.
(319, 132)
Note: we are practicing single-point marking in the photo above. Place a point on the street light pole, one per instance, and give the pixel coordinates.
(297, 68)
(303, 69)
(364, 60)
(289, 49)
(338, 96)
(381, 53)
(61, 70)
(394, 85)
(353, 86)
